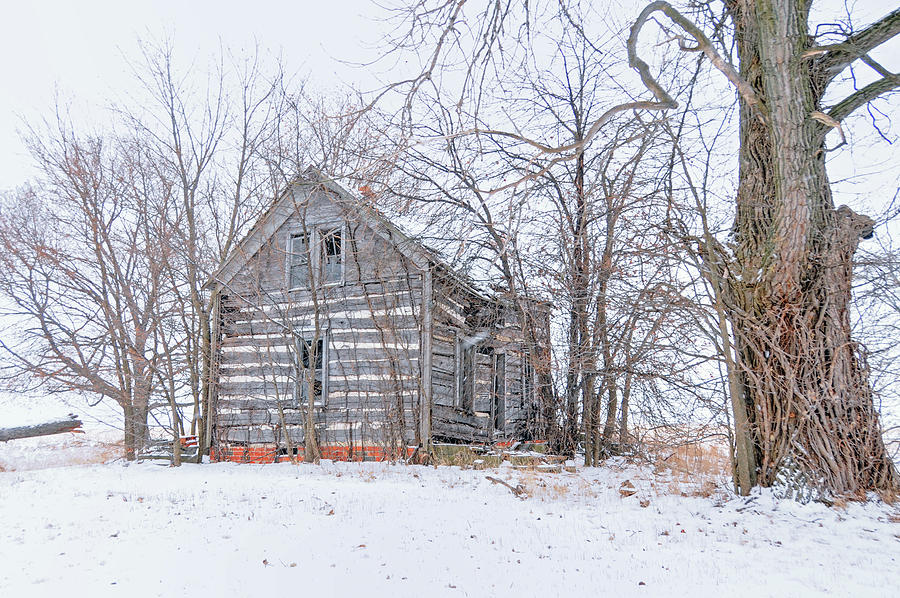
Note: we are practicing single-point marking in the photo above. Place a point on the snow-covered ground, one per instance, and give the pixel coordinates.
(338, 529)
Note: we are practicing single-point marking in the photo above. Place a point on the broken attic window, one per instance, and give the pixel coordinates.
(298, 276)
(331, 255)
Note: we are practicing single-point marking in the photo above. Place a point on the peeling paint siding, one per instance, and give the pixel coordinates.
(337, 345)
(288, 304)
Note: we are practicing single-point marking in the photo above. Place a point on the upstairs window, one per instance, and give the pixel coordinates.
(332, 264)
(298, 272)
(323, 248)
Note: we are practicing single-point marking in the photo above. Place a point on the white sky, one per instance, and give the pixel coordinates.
(78, 48)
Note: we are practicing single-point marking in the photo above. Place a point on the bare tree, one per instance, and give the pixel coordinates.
(810, 406)
(805, 404)
(83, 272)
(178, 175)
(205, 141)
(572, 233)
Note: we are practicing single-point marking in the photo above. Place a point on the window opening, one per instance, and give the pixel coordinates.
(332, 251)
(527, 380)
(499, 391)
(309, 363)
(299, 261)
(466, 374)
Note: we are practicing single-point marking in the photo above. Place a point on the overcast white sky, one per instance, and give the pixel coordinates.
(77, 48)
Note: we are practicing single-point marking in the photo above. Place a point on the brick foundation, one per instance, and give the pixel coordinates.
(269, 454)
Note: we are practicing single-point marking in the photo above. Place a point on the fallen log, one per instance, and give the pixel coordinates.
(73, 424)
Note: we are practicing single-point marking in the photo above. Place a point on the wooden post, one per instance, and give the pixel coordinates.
(209, 414)
(426, 357)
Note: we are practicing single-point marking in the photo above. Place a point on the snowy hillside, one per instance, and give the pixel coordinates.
(394, 530)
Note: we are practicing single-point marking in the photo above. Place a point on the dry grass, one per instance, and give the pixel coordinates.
(550, 487)
(71, 451)
(692, 459)
(454, 455)
(691, 469)
(98, 452)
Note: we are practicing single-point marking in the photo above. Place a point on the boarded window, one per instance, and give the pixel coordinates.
(465, 376)
(332, 246)
(298, 276)
(310, 372)
(527, 381)
(443, 368)
(499, 391)
(484, 383)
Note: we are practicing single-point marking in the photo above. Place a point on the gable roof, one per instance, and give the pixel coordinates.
(283, 208)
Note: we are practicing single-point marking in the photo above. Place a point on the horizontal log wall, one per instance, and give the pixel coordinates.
(458, 314)
(371, 321)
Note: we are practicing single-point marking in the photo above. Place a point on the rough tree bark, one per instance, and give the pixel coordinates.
(803, 377)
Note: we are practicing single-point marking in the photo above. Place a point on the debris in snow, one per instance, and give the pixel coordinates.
(627, 489)
(518, 490)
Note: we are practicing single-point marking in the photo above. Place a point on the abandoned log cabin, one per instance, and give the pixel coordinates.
(327, 305)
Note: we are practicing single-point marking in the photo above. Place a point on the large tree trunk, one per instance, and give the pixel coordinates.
(804, 379)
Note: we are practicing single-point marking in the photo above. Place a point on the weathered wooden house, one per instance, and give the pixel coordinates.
(327, 305)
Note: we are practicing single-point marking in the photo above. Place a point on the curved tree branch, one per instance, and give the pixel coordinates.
(663, 100)
(703, 45)
(842, 109)
(570, 151)
(835, 58)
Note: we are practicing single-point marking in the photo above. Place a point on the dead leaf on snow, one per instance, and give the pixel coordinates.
(627, 489)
